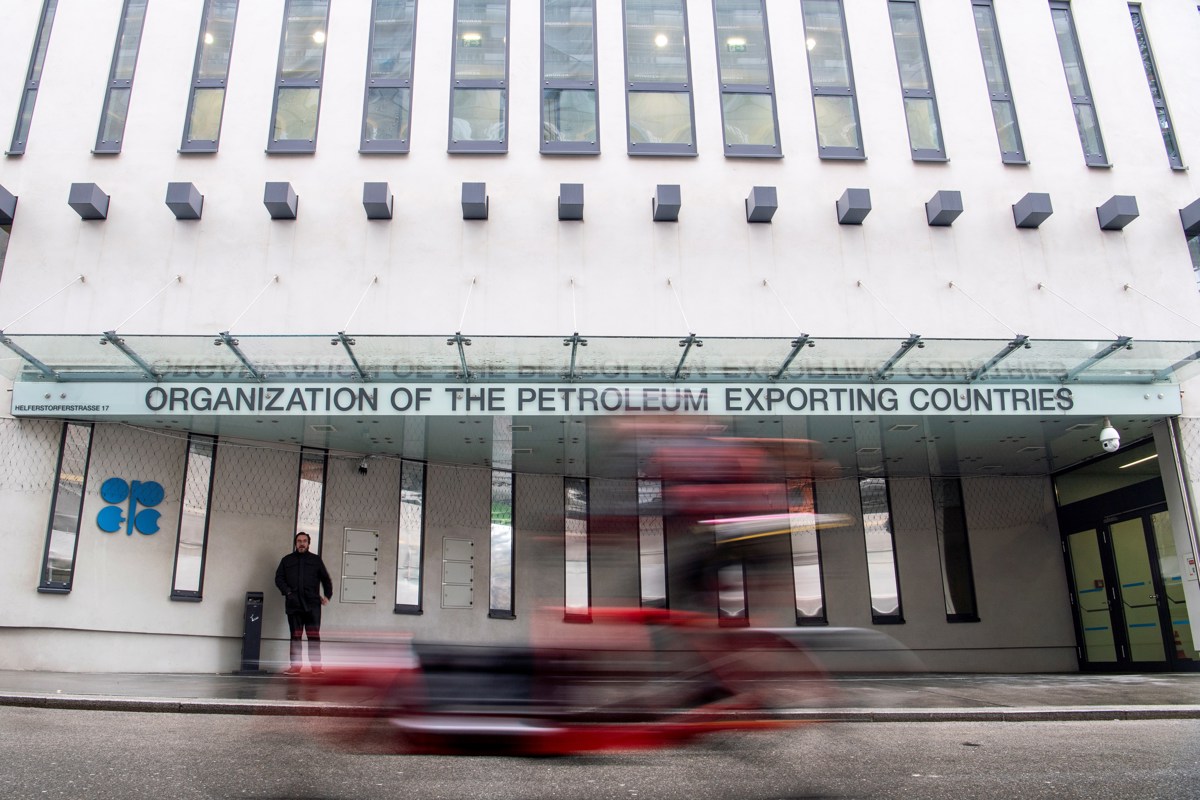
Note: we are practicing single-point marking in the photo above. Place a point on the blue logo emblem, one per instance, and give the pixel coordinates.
(145, 493)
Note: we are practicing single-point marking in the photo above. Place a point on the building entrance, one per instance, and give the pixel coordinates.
(1127, 593)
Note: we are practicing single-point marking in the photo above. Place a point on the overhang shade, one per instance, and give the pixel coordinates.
(555, 359)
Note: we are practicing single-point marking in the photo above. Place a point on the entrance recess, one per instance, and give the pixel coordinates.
(1127, 592)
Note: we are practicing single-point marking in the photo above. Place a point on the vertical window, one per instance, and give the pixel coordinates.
(310, 497)
(1156, 93)
(652, 564)
(500, 594)
(831, 73)
(916, 82)
(576, 549)
(298, 82)
(479, 96)
(733, 610)
(1077, 84)
(658, 79)
(807, 575)
(66, 505)
(1004, 112)
(1194, 251)
(950, 519)
(33, 79)
(569, 104)
(192, 544)
(747, 85)
(882, 572)
(410, 538)
(202, 127)
(120, 78)
(387, 109)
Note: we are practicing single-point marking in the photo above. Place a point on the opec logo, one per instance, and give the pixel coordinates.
(115, 492)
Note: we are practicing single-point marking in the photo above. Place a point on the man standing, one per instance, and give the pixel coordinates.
(300, 577)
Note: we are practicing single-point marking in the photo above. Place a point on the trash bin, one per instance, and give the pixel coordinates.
(252, 633)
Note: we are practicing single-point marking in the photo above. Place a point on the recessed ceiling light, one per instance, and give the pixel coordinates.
(323, 428)
(904, 426)
(1082, 426)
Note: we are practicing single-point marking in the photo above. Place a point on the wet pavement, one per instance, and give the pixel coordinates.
(846, 697)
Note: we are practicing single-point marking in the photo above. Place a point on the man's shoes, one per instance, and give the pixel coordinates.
(318, 671)
(292, 671)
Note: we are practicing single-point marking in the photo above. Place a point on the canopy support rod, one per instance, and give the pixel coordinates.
(348, 344)
(78, 279)
(1080, 310)
(374, 280)
(224, 338)
(679, 303)
(691, 341)
(914, 340)
(1017, 343)
(864, 287)
(176, 279)
(797, 345)
(1122, 343)
(983, 308)
(574, 341)
(462, 320)
(1131, 288)
(274, 279)
(35, 363)
(462, 342)
(110, 337)
(767, 284)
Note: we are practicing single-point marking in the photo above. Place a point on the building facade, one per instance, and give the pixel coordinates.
(399, 273)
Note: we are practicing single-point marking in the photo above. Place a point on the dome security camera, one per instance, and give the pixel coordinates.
(1110, 439)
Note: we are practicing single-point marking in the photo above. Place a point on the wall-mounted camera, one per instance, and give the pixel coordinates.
(1110, 438)
(366, 462)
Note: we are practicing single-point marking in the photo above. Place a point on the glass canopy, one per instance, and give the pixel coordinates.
(554, 359)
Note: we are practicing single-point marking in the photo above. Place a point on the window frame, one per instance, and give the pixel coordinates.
(1163, 113)
(749, 150)
(835, 153)
(1086, 99)
(387, 145)
(593, 85)
(296, 146)
(33, 78)
(479, 146)
(198, 83)
(418, 607)
(113, 146)
(1005, 96)
(879, 618)
(967, 578)
(930, 94)
(497, 611)
(662, 87)
(46, 586)
(795, 487)
(650, 524)
(315, 538)
(197, 594)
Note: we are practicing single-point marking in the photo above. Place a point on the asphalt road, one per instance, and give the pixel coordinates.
(105, 754)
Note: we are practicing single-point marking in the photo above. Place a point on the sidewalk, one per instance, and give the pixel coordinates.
(855, 698)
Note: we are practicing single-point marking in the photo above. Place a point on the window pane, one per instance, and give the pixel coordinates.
(392, 39)
(1006, 127)
(567, 52)
(731, 592)
(115, 112)
(1072, 60)
(651, 552)
(480, 45)
(906, 31)
(68, 502)
(204, 121)
(127, 45)
(922, 123)
(1164, 124)
(193, 518)
(478, 115)
(742, 43)
(660, 117)
(749, 119)
(24, 120)
(296, 114)
(575, 546)
(881, 556)
(43, 42)
(217, 42)
(410, 536)
(310, 504)
(806, 551)
(388, 114)
(828, 60)
(837, 125)
(304, 40)
(958, 584)
(656, 47)
(1089, 132)
(501, 578)
(569, 115)
(989, 45)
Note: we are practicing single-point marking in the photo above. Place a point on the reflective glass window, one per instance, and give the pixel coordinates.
(33, 78)
(297, 105)
(576, 549)
(66, 506)
(882, 571)
(807, 572)
(310, 496)
(658, 95)
(1077, 83)
(479, 93)
(916, 82)
(410, 538)
(120, 79)
(500, 587)
(1004, 112)
(751, 124)
(831, 73)
(192, 543)
(1156, 92)
(206, 104)
(387, 110)
(950, 519)
(569, 98)
(651, 549)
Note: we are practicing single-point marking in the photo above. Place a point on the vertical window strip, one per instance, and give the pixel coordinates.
(658, 78)
(883, 574)
(570, 104)
(808, 575)
(500, 589)
(479, 91)
(191, 545)
(296, 109)
(410, 539)
(210, 73)
(33, 79)
(916, 82)
(310, 496)
(1077, 84)
(958, 580)
(1004, 111)
(751, 121)
(733, 607)
(120, 78)
(387, 107)
(66, 508)
(576, 550)
(652, 564)
(831, 75)
(1156, 92)
(1194, 252)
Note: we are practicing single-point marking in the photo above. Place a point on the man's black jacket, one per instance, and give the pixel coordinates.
(301, 577)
